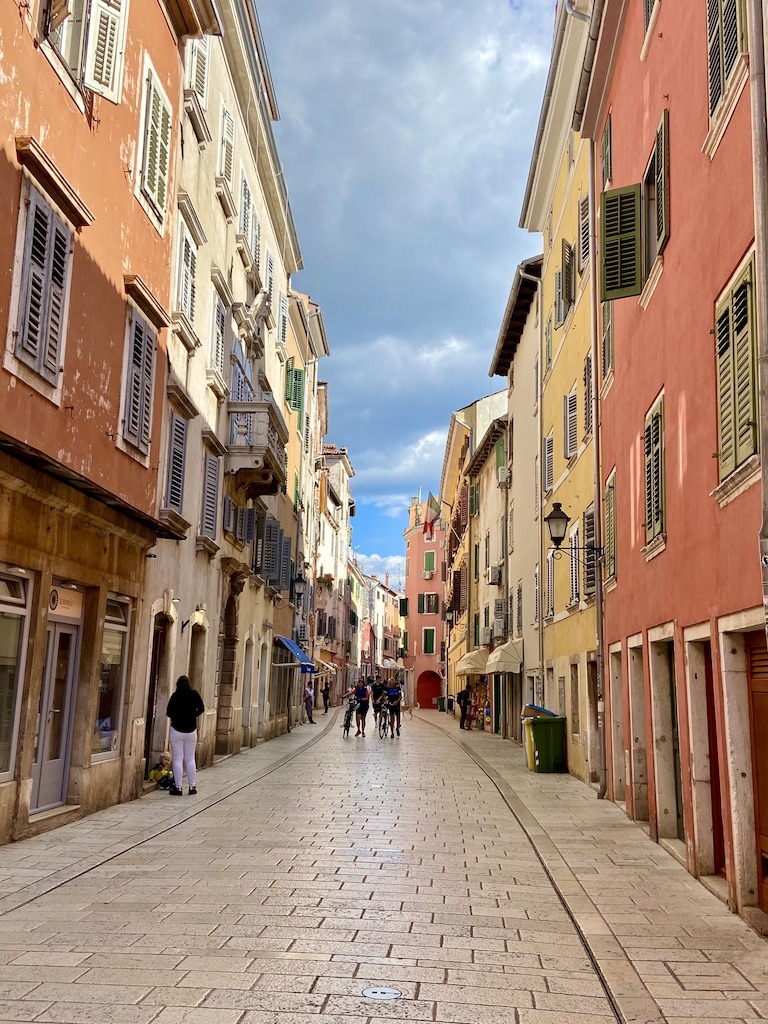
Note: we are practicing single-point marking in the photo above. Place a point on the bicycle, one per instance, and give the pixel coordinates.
(349, 716)
(383, 718)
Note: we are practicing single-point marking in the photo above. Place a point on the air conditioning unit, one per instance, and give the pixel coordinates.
(427, 574)
(504, 476)
(302, 633)
(498, 628)
(494, 575)
(485, 636)
(499, 608)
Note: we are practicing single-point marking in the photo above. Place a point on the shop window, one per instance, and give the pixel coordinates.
(14, 596)
(114, 649)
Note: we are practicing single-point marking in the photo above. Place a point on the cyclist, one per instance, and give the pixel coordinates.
(378, 689)
(394, 699)
(362, 696)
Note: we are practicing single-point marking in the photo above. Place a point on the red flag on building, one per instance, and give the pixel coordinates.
(432, 513)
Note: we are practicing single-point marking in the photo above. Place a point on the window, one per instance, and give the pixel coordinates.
(606, 150)
(548, 454)
(476, 561)
(654, 472)
(564, 285)
(590, 559)
(218, 340)
(14, 611)
(501, 455)
(431, 604)
(511, 527)
(583, 260)
(294, 388)
(520, 608)
(227, 147)
(44, 289)
(208, 515)
(90, 39)
(536, 594)
(610, 526)
(137, 420)
(537, 485)
(487, 616)
(726, 32)
(177, 445)
(256, 239)
(588, 394)
(736, 375)
(197, 68)
(548, 343)
(487, 549)
(570, 424)
(575, 573)
(550, 583)
(647, 11)
(114, 649)
(429, 561)
(187, 270)
(633, 215)
(246, 205)
(270, 281)
(428, 641)
(607, 338)
(575, 704)
(536, 381)
(157, 147)
(474, 499)
(476, 629)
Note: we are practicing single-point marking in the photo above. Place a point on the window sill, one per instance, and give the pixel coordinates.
(724, 112)
(650, 31)
(610, 584)
(573, 606)
(225, 197)
(194, 111)
(739, 481)
(655, 547)
(135, 453)
(605, 387)
(208, 545)
(180, 398)
(20, 370)
(65, 75)
(175, 522)
(216, 383)
(652, 280)
(244, 249)
(185, 331)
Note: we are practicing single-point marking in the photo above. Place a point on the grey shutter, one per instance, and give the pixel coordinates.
(146, 388)
(569, 278)
(270, 555)
(559, 304)
(550, 583)
(588, 394)
(270, 282)
(285, 564)
(548, 341)
(210, 496)
(228, 518)
(187, 271)
(138, 400)
(647, 10)
(157, 146)
(610, 529)
(198, 68)
(176, 455)
(249, 525)
(574, 552)
(227, 157)
(654, 474)
(590, 561)
(256, 239)
(105, 48)
(240, 523)
(715, 54)
(283, 320)
(219, 334)
(732, 43)
(289, 381)
(520, 608)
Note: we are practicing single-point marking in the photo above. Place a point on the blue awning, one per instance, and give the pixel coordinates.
(296, 651)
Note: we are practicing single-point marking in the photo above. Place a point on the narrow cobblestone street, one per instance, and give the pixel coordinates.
(313, 868)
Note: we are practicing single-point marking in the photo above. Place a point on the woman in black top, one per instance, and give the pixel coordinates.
(184, 709)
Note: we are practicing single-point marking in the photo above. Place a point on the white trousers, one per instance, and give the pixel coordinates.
(183, 751)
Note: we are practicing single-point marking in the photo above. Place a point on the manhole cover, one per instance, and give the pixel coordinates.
(382, 993)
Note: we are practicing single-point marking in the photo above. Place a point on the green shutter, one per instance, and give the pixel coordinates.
(476, 630)
(289, 381)
(607, 151)
(621, 269)
(420, 608)
(610, 529)
(726, 434)
(607, 338)
(501, 457)
(662, 183)
(745, 404)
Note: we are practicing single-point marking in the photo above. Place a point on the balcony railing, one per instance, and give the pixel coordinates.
(256, 449)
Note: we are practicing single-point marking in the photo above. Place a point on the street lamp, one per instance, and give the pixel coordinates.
(557, 524)
(298, 586)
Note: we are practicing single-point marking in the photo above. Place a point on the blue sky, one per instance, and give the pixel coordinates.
(406, 133)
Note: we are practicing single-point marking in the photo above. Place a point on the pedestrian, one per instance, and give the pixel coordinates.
(362, 696)
(184, 709)
(309, 699)
(462, 699)
(326, 692)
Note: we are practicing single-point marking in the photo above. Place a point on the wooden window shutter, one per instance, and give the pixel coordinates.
(607, 338)
(588, 394)
(501, 457)
(548, 341)
(227, 158)
(536, 594)
(571, 425)
(47, 262)
(249, 524)
(745, 405)
(270, 282)
(590, 561)
(210, 496)
(476, 630)
(197, 74)
(464, 582)
(607, 152)
(583, 233)
(187, 271)
(559, 303)
(654, 474)
(157, 147)
(245, 209)
(726, 412)
(176, 455)
(464, 505)
(569, 278)
(138, 401)
(229, 515)
(420, 603)
(219, 334)
(647, 10)
(661, 160)
(297, 396)
(289, 381)
(574, 566)
(270, 548)
(610, 528)
(551, 583)
(519, 621)
(621, 263)
(285, 564)
(105, 48)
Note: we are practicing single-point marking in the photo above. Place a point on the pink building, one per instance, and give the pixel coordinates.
(422, 642)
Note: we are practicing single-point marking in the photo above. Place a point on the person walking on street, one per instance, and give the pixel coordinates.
(184, 709)
(462, 699)
(326, 692)
(378, 689)
(309, 699)
(362, 696)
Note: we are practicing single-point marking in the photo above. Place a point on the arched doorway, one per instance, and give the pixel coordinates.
(227, 675)
(429, 686)
(158, 691)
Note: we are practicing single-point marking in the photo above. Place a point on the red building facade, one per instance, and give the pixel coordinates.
(422, 643)
(668, 111)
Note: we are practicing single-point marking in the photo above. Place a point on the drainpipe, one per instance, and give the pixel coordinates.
(756, 37)
(540, 616)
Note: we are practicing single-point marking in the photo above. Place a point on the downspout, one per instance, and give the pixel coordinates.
(540, 611)
(755, 32)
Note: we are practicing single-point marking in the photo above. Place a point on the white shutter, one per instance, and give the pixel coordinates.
(157, 145)
(256, 239)
(270, 282)
(571, 438)
(219, 335)
(284, 321)
(245, 208)
(187, 271)
(105, 48)
(227, 161)
(549, 453)
(575, 566)
(197, 68)
(551, 583)
(583, 232)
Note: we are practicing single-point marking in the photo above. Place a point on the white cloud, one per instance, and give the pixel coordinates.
(419, 460)
(394, 506)
(379, 565)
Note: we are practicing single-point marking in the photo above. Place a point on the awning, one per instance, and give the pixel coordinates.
(390, 663)
(326, 666)
(473, 663)
(507, 658)
(296, 651)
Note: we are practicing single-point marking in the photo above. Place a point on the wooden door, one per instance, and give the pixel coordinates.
(718, 838)
(757, 678)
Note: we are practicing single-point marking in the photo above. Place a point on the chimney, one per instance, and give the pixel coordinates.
(386, 579)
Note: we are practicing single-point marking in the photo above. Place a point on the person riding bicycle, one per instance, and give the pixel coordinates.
(394, 700)
(378, 690)
(362, 696)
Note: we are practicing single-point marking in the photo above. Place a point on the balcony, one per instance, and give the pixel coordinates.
(256, 450)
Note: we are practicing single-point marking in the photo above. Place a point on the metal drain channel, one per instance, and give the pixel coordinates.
(382, 993)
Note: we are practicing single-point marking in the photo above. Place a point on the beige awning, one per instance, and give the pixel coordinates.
(327, 667)
(473, 663)
(507, 658)
(390, 663)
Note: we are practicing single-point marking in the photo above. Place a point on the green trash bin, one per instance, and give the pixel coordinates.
(549, 747)
(441, 703)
